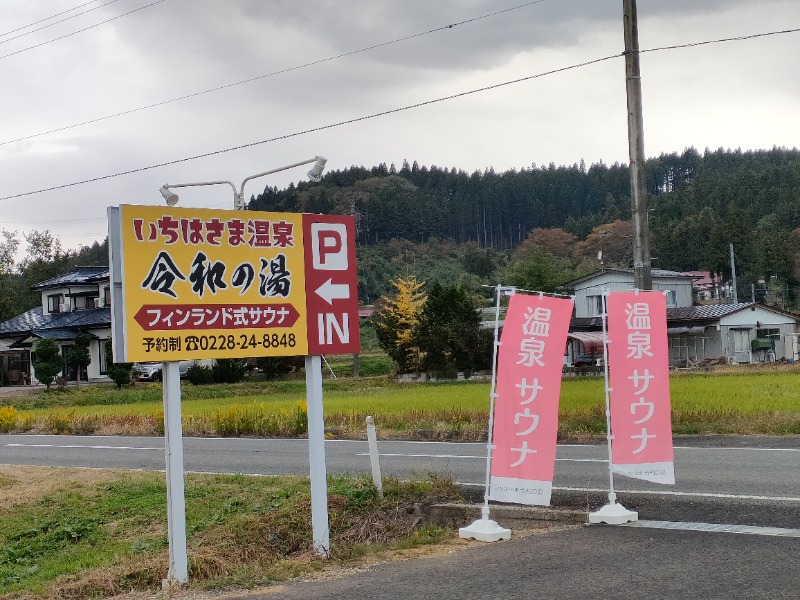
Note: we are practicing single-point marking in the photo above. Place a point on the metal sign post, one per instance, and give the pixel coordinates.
(173, 447)
(320, 532)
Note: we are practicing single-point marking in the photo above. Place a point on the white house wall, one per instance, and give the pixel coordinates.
(751, 317)
(623, 282)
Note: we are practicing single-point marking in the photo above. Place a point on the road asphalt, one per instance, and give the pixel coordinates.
(598, 562)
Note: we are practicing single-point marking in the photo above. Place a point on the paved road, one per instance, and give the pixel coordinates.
(754, 481)
(751, 480)
(585, 562)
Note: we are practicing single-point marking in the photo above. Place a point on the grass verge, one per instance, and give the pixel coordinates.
(76, 534)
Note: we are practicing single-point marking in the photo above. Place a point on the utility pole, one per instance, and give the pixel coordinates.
(733, 277)
(642, 275)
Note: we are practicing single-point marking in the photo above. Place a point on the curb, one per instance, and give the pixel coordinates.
(514, 517)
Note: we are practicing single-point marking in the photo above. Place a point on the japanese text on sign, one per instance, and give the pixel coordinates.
(639, 386)
(526, 409)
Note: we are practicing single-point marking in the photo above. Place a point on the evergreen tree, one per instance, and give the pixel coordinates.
(120, 373)
(448, 331)
(79, 356)
(47, 361)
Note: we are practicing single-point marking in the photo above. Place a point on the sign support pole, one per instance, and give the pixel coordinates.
(316, 457)
(612, 513)
(176, 503)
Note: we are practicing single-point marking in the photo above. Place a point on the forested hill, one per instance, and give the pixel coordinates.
(726, 196)
(700, 204)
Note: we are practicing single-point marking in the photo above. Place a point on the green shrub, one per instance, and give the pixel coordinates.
(197, 375)
(229, 370)
(275, 367)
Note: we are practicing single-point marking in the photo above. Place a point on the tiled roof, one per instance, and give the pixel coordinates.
(34, 320)
(60, 335)
(702, 314)
(79, 276)
(24, 322)
(705, 311)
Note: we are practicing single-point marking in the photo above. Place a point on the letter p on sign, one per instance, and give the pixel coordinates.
(329, 246)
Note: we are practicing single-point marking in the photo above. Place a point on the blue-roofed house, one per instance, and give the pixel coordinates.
(76, 301)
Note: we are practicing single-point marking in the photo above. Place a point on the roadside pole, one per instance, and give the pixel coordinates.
(176, 503)
(320, 532)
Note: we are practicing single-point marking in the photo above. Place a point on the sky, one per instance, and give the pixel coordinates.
(319, 74)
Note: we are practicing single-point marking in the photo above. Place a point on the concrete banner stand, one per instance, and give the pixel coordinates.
(612, 513)
(484, 529)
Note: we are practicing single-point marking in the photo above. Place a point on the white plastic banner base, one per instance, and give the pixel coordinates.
(659, 472)
(613, 514)
(520, 491)
(484, 529)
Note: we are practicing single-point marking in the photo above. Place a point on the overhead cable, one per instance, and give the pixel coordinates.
(266, 75)
(16, 37)
(380, 114)
(82, 30)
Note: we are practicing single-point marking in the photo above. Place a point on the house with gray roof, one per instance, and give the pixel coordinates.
(746, 332)
(73, 302)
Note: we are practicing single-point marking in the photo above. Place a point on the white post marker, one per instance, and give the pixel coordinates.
(176, 504)
(372, 440)
(484, 529)
(612, 513)
(320, 531)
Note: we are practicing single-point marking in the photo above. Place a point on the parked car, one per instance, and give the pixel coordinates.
(147, 371)
(588, 360)
(151, 371)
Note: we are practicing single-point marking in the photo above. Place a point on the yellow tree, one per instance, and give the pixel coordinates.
(397, 320)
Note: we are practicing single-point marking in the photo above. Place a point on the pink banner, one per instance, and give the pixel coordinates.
(638, 360)
(530, 361)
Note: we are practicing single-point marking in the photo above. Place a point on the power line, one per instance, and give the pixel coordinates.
(729, 39)
(81, 30)
(381, 114)
(16, 37)
(63, 12)
(314, 129)
(266, 75)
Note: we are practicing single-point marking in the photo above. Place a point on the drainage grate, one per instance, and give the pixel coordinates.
(716, 528)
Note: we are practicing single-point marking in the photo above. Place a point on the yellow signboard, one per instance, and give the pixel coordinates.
(193, 283)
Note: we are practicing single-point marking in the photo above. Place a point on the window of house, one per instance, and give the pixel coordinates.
(767, 333)
(107, 296)
(672, 298)
(741, 340)
(54, 302)
(594, 305)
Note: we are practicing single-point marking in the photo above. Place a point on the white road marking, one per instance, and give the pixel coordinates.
(402, 455)
(83, 446)
(716, 528)
(684, 494)
(424, 455)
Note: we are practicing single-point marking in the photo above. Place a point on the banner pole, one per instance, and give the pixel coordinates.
(484, 529)
(612, 497)
(612, 513)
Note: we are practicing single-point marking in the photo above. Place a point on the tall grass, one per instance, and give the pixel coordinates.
(766, 402)
(89, 536)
